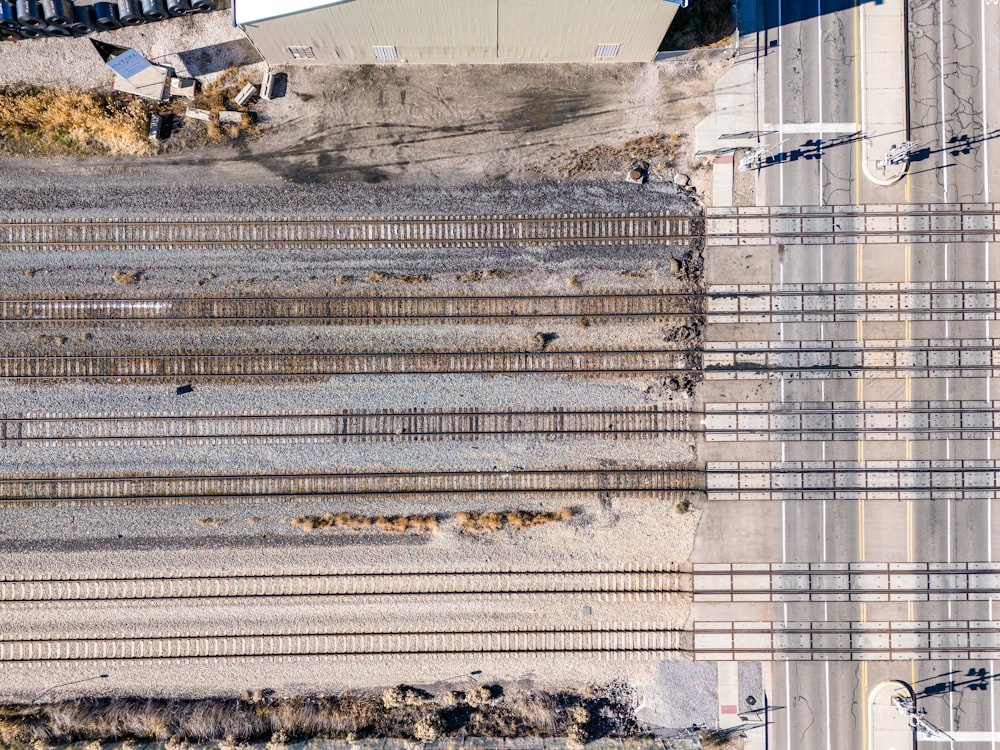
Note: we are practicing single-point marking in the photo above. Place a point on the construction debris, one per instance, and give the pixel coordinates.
(197, 114)
(134, 74)
(249, 92)
(182, 87)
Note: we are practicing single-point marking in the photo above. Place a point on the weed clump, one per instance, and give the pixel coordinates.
(487, 523)
(353, 522)
(127, 278)
(380, 277)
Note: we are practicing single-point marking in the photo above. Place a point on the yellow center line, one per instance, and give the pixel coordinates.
(857, 109)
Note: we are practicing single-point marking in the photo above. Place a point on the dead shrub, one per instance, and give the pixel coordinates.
(576, 735)
(44, 338)
(488, 523)
(476, 277)
(391, 525)
(479, 696)
(380, 277)
(127, 278)
(428, 728)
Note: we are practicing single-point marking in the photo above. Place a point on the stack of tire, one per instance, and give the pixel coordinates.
(30, 19)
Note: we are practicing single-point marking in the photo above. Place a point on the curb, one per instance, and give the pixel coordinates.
(866, 144)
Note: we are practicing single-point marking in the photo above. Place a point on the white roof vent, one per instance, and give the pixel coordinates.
(607, 50)
(387, 52)
(302, 53)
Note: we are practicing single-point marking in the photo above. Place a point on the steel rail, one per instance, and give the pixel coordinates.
(374, 232)
(611, 639)
(444, 486)
(344, 310)
(299, 364)
(232, 365)
(607, 584)
(405, 425)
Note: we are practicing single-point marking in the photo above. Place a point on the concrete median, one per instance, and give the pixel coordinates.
(884, 87)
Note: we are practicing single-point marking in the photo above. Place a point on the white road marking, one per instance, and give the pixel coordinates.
(800, 128)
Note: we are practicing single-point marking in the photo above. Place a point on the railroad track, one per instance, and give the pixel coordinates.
(923, 357)
(846, 582)
(845, 480)
(610, 640)
(507, 486)
(234, 365)
(851, 302)
(345, 426)
(845, 640)
(817, 303)
(296, 233)
(816, 421)
(615, 305)
(900, 223)
(603, 585)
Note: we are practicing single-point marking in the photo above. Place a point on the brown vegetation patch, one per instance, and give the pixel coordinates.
(487, 523)
(64, 122)
(493, 274)
(380, 277)
(126, 278)
(390, 524)
(45, 338)
(260, 716)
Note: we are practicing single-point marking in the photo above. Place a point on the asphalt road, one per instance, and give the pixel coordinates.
(812, 113)
(810, 82)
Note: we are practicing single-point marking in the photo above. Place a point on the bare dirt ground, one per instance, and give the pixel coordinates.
(448, 124)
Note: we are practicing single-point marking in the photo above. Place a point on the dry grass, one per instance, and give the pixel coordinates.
(400, 712)
(380, 277)
(390, 524)
(47, 338)
(476, 277)
(64, 122)
(487, 523)
(127, 278)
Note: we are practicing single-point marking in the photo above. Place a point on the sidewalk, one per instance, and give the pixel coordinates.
(889, 728)
(731, 703)
(884, 86)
